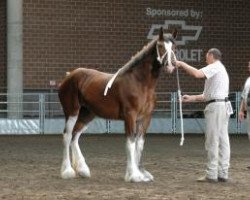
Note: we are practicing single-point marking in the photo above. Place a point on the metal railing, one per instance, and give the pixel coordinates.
(41, 113)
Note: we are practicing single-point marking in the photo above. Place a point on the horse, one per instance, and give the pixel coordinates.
(131, 99)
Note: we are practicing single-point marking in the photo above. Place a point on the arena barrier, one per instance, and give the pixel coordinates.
(41, 113)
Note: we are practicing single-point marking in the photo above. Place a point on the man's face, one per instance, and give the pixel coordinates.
(209, 58)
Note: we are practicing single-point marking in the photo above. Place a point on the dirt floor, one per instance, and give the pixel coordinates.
(30, 169)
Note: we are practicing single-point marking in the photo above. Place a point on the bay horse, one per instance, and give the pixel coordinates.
(131, 98)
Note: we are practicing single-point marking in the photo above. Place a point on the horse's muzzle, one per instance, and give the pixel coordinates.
(169, 69)
(169, 66)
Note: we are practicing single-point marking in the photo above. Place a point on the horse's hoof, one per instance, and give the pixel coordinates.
(82, 169)
(136, 178)
(84, 172)
(148, 175)
(127, 177)
(68, 173)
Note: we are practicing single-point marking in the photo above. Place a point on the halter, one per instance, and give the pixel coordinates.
(167, 54)
(159, 58)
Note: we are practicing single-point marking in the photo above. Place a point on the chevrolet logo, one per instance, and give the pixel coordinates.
(183, 26)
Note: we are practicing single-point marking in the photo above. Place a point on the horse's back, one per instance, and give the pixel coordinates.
(80, 75)
(86, 73)
(82, 86)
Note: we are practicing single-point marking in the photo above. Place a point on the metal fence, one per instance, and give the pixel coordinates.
(41, 113)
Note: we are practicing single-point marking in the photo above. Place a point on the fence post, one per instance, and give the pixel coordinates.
(108, 126)
(41, 113)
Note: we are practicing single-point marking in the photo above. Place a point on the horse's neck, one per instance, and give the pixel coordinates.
(153, 66)
(148, 71)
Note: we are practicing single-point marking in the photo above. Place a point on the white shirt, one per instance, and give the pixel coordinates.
(246, 89)
(217, 82)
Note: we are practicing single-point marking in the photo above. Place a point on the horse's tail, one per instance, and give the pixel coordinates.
(68, 96)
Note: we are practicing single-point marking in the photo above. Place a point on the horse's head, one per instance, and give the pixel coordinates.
(165, 50)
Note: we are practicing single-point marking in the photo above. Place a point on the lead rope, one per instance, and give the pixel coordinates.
(180, 103)
(160, 59)
(110, 83)
(180, 107)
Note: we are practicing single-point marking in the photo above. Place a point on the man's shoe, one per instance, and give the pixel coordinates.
(206, 179)
(222, 179)
(248, 167)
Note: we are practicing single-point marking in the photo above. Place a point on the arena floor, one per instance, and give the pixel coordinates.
(30, 169)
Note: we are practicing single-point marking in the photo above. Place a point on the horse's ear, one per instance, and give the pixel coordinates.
(161, 37)
(174, 33)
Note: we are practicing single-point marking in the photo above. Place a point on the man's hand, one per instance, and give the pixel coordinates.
(241, 116)
(178, 63)
(188, 98)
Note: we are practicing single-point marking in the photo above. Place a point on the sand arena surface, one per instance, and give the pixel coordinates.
(30, 169)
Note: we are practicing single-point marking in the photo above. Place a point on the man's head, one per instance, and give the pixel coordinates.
(213, 55)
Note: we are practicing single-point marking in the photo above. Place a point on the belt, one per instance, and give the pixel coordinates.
(217, 100)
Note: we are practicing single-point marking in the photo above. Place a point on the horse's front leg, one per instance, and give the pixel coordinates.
(140, 140)
(139, 149)
(133, 173)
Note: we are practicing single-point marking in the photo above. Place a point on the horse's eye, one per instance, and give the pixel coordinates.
(174, 48)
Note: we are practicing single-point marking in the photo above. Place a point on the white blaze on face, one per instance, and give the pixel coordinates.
(168, 48)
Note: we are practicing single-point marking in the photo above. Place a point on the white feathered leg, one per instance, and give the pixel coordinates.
(133, 174)
(66, 169)
(139, 149)
(78, 160)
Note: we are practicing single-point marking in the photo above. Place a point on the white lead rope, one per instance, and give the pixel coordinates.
(110, 83)
(180, 107)
(180, 103)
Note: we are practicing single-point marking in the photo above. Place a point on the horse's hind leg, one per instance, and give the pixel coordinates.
(66, 170)
(79, 163)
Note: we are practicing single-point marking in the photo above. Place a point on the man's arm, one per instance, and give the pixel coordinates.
(193, 98)
(190, 70)
(242, 109)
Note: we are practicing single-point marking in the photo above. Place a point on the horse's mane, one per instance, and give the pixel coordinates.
(138, 56)
(133, 61)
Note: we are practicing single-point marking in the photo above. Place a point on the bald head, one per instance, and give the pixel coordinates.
(216, 53)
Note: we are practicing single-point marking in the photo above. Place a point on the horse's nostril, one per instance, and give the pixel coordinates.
(170, 69)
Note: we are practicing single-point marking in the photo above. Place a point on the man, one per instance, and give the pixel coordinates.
(217, 113)
(245, 104)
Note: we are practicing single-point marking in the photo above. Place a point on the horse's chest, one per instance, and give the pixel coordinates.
(148, 104)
